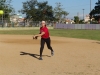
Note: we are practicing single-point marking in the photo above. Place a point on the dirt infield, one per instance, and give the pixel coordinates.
(19, 56)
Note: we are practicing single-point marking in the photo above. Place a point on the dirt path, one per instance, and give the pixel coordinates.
(19, 56)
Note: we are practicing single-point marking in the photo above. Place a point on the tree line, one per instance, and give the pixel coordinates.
(37, 11)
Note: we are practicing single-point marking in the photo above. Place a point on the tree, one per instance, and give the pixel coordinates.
(59, 11)
(6, 6)
(81, 22)
(76, 19)
(95, 13)
(29, 8)
(45, 10)
(37, 11)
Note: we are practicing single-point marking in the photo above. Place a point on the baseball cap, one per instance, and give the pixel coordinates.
(43, 22)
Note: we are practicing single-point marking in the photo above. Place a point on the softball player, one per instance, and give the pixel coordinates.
(45, 38)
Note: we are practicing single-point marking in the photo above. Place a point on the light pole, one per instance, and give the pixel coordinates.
(2, 18)
(83, 14)
(90, 11)
(90, 5)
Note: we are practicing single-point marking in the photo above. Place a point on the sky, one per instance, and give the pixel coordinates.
(73, 7)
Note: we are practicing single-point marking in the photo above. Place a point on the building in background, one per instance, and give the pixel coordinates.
(69, 21)
(16, 18)
(87, 18)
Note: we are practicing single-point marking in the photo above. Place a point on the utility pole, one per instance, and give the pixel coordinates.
(83, 14)
(90, 11)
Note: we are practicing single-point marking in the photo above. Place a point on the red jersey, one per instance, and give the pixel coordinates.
(44, 29)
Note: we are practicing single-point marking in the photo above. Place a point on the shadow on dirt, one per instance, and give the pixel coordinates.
(33, 55)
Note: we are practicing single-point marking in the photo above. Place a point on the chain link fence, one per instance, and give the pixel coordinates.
(77, 26)
(25, 24)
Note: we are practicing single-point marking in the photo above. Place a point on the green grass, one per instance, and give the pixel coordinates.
(84, 34)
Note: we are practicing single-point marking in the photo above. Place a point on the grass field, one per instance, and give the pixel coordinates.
(84, 34)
